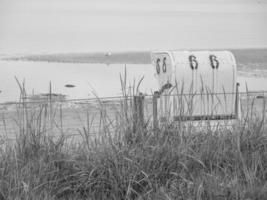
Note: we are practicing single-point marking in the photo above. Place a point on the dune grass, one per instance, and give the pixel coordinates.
(171, 162)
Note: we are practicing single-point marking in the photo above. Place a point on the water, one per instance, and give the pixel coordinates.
(90, 80)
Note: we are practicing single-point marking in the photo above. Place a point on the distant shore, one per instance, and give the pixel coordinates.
(243, 57)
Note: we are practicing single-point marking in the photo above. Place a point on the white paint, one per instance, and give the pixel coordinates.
(202, 90)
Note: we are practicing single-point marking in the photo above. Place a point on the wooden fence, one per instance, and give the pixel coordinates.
(74, 116)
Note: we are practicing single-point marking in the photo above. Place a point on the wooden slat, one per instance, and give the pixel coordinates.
(200, 117)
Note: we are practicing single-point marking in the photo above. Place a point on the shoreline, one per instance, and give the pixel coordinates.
(243, 56)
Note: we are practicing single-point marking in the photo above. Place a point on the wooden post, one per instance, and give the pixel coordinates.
(141, 117)
(50, 107)
(237, 114)
(138, 112)
(135, 118)
(61, 118)
(155, 110)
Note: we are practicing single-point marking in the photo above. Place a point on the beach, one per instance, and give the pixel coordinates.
(77, 115)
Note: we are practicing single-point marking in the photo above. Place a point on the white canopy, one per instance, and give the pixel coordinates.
(196, 83)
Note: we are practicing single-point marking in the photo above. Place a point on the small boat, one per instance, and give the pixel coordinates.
(69, 86)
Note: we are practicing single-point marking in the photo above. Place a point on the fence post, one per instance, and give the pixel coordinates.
(138, 112)
(134, 113)
(141, 110)
(155, 110)
(50, 108)
(237, 114)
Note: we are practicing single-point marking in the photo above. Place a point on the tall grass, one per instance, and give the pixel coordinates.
(129, 163)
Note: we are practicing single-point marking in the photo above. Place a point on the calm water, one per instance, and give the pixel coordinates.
(38, 26)
(89, 79)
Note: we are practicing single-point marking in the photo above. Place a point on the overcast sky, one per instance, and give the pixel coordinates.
(47, 26)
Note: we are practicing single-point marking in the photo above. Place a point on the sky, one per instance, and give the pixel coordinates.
(52, 26)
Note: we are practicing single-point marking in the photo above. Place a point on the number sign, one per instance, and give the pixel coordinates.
(193, 62)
